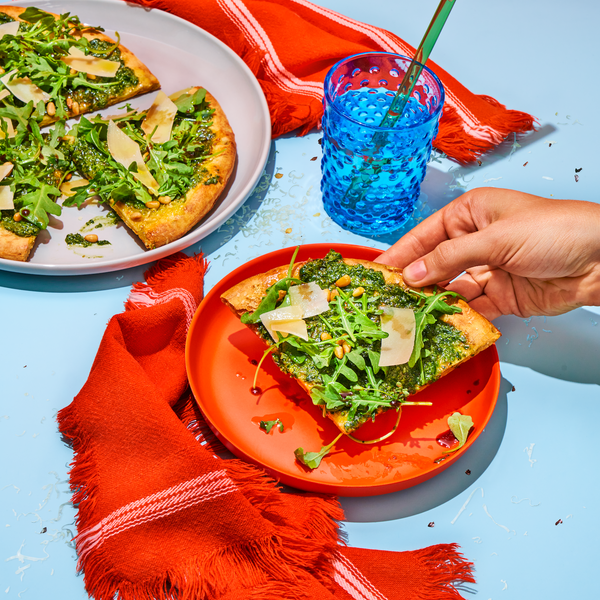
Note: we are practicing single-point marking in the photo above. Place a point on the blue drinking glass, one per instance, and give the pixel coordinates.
(371, 175)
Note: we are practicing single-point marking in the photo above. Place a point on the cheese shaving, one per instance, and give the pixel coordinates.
(286, 319)
(10, 28)
(126, 151)
(68, 188)
(400, 325)
(310, 298)
(160, 119)
(6, 198)
(92, 65)
(24, 89)
(6, 194)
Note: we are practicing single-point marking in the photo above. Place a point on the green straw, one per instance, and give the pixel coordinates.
(416, 66)
(405, 90)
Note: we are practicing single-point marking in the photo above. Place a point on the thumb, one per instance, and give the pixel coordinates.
(451, 257)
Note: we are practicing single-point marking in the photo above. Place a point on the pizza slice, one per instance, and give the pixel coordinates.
(160, 170)
(33, 167)
(354, 336)
(65, 68)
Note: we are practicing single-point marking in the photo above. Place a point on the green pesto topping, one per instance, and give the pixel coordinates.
(76, 239)
(177, 165)
(21, 228)
(355, 385)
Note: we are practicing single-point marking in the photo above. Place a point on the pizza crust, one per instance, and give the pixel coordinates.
(159, 226)
(15, 247)
(478, 331)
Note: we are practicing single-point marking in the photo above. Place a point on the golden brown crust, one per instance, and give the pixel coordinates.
(159, 226)
(147, 81)
(478, 331)
(15, 247)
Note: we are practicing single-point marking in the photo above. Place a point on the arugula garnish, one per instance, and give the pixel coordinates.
(268, 425)
(427, 313)
(313, 459)
(269, 302)
(459, 425)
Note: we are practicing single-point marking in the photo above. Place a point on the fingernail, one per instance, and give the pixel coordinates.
(416, 271)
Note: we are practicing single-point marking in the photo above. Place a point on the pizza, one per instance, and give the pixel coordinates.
(161, 170)
(184, 152)
(63, 66)
(355, 336)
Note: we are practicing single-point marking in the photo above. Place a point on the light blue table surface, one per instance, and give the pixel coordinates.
(535, 464)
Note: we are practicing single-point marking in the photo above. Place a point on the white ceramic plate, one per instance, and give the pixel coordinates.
(180, 55)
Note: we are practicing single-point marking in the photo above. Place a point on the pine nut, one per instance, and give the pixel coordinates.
(136, 216)
(333, 295)
(359, 291)
(328, 295)
(51, 109)
(325, 336)
(346, 348)
(153, 204)
(343, 281)
(91, 237)
(75, 108)
(69, 102)
(164, 199)
(17, 217)
(68, 176)
(339, 352)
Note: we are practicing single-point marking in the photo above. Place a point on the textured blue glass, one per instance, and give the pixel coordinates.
(372, 175)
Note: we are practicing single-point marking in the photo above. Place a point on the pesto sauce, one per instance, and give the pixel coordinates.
(21, 228)
(443, 343)
(124, 80)
(76, 239)
(4, 18)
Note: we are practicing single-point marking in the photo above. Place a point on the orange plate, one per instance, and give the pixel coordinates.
(219, 356)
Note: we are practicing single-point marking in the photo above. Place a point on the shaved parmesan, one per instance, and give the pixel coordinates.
(400, 325)
(24, 89)
(126, 151)
(6, 198)
(69, 188)
(10, 28)
(286, 319)
(10, 130)
(310, 298)
(92, 65)
(4, 93)
(160, 119)
(6, 194)
(5, 170)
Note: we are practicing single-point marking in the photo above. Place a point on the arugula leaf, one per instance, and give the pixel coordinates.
(39, 202)
(268, 425)
(186, 103)
(269, 302)
(459, 425)
(34, 15)
(313, 459)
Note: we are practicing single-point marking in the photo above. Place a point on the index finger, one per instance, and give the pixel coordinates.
(451, 221)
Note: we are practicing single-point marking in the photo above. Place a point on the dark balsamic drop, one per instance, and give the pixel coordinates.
(446, 439)
(253, 362)
(256, 391)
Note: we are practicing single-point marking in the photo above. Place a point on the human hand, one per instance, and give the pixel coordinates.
(520, 254)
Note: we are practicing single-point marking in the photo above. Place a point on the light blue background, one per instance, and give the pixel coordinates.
(536, 463)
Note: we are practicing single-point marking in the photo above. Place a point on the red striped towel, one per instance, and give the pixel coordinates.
(160, 516)
(291, 44)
